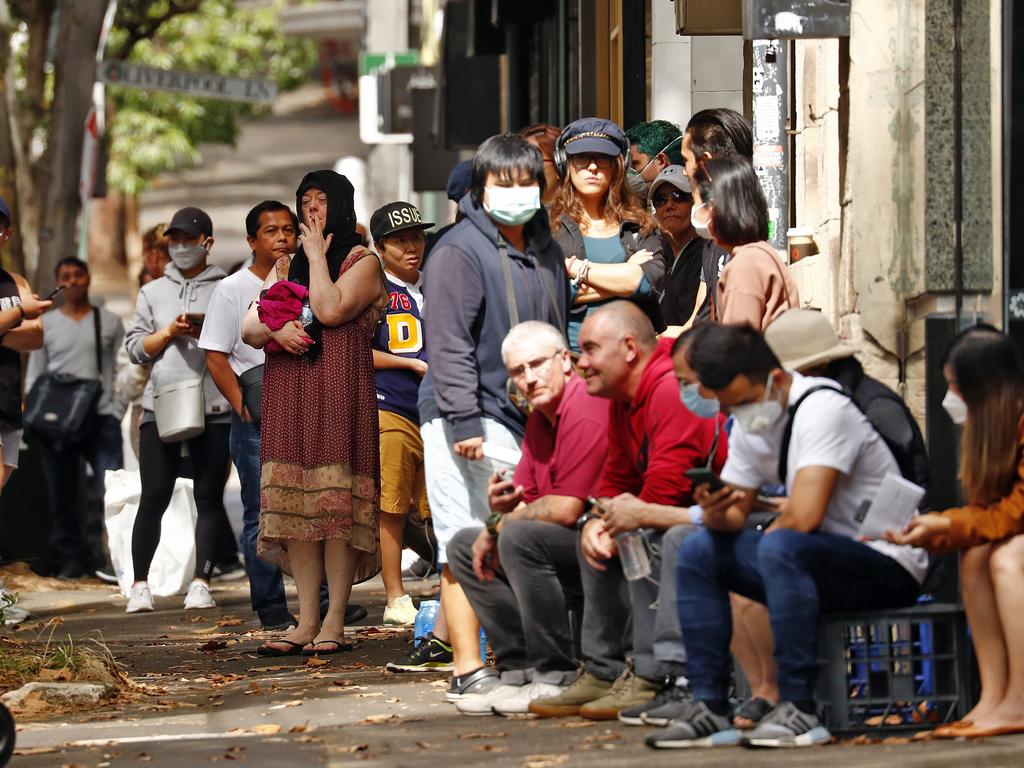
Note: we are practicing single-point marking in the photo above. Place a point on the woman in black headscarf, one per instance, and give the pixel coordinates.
(319, 486)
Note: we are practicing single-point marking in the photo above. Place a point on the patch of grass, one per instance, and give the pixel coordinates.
(86, 660)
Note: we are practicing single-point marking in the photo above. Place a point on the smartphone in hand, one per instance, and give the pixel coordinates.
(704, 476)
(54, 293)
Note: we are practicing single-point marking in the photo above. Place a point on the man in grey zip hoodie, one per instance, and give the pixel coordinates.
(165, 335)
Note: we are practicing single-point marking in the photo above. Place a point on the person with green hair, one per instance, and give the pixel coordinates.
(653, 146)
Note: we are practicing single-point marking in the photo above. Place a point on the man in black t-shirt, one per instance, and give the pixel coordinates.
(684, 292)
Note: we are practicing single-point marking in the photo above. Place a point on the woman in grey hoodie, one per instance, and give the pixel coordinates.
(165, 335)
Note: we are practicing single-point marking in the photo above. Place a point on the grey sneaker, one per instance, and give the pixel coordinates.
(697, 726)
(787, 726)
(478, 681)
(670, 704)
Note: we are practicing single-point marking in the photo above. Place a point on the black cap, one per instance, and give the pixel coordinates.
(192, 221)
(5, 211)
(395, 217)
(592, 134)
(458, 180)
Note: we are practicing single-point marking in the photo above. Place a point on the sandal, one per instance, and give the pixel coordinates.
(294, 649)
(339, 647)
(753, 710)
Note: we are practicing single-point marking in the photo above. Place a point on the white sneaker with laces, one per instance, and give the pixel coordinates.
(479, 704)
(140, 598)
(199, 597)
(518, 701)
(401, 613)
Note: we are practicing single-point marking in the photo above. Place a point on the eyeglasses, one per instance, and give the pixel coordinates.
(582, 161)
(677, 195)
(540, 366)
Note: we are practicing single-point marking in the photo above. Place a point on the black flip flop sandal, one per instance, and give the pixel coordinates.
(754, 709)
(338, 648)
(294, 649)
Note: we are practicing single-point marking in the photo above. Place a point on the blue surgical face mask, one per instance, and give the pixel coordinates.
(700, 406)
(512, 206)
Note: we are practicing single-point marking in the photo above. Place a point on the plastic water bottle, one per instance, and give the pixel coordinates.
(483, 645)
(426, 616)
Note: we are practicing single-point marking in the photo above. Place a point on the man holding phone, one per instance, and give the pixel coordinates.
(70, 336)
(521, 572)
(808, 562)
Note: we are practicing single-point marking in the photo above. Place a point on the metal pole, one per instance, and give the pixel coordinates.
(768, 89)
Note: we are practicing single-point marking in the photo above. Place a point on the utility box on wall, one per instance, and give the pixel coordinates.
(709, 17)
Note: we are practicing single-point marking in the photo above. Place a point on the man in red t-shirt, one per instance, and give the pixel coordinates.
(652, 440)
(521, 573)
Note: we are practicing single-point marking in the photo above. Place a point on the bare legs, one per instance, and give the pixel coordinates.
(462, 624)
(392, 540)
(752, 645)
(308, 560)
(986, 629)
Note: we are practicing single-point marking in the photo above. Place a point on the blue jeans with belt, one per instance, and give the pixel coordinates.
(798, 576)
(266, 585)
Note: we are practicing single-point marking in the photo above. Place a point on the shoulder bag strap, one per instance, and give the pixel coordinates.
(99, 350)
(510, 291)
(787, 436)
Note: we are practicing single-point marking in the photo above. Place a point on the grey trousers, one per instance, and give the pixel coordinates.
(635, 619)
(525, 608)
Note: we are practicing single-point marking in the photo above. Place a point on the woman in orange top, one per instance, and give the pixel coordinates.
(985, 374)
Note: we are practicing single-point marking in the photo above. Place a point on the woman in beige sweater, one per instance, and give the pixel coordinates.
(755, 286)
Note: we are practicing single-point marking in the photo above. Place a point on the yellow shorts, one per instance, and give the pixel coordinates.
(402, 482)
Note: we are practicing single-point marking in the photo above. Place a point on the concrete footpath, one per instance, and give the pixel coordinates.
(205, 697)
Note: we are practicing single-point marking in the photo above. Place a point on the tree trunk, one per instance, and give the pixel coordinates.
(80, 22)
(13, 258)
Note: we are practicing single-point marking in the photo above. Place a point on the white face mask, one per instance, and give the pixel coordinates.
(955, 407)
(187, 256)
(701, 227)
(512, 205)
(756, 418)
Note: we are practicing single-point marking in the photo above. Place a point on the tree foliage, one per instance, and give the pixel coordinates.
(151, 132)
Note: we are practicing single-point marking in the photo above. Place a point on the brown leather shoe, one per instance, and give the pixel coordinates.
(628, 691)
(587, 688)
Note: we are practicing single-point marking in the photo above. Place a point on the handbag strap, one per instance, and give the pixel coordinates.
(99, 351)
(510, 294)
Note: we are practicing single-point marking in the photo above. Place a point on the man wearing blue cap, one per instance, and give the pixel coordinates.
(458, 185)
(20, 331)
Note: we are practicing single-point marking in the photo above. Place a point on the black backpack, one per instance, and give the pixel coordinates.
(910, 457)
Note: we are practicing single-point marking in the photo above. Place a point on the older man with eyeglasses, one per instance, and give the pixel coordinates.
(684, 293)
(521, 572)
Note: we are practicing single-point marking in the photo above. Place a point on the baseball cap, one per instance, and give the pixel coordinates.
(804, 338)
(192, 221)
(395, 217)
(592, 134)
(674, 175)
(458, 180)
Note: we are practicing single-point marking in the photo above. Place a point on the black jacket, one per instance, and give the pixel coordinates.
(683, 280)
(570, 240)
(713, 258)
(466, 317)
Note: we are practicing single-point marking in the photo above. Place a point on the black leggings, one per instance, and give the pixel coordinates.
(159, 465)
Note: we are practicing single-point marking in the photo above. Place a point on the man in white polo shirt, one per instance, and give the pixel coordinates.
(808, 562)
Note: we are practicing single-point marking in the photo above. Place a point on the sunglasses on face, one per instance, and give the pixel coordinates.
(580, 162)
(678, 196)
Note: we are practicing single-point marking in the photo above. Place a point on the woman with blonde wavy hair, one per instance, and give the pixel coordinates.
(985, 375)
(611, 244)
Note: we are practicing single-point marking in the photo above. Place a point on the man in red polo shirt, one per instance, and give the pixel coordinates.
(652, 440)
(521, 573)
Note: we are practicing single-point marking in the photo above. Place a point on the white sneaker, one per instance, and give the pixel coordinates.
(518, 701)
(198, 597)
(401, 613)
(479, 704)
(140, 599)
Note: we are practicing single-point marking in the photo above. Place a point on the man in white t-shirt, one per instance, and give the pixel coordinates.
(271, 228)
(808, 562)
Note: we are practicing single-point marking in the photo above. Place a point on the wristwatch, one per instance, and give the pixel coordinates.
(492, 523)
(585, 518)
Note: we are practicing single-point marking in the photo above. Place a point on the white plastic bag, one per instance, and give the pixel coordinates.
(175, 559)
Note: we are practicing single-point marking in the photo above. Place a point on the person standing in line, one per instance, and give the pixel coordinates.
(69, 349)
(653, 147)
(155, 256)
(543, 137)
(164, 334)
(271, 230)
(319, 449)
(400, 362)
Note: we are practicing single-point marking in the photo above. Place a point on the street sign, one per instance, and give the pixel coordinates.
(371, 63)
(192, 83)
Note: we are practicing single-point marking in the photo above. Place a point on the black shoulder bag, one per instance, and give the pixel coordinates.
(60, 409)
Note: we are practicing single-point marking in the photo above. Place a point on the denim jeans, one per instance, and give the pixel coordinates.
(798, 576)
(266, 586)
(76, 537)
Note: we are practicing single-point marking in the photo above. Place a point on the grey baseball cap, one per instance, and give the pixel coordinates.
(674, 175)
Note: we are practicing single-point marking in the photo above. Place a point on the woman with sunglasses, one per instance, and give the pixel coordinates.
(611, 245)
(684, 294)
(755, 286)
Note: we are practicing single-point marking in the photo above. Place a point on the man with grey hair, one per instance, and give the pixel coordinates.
(521, 572)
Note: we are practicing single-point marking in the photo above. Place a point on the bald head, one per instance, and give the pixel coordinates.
(616, 342)
(621, 319)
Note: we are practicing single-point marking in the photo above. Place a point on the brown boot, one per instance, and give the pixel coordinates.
(628, 691)
(566, 704)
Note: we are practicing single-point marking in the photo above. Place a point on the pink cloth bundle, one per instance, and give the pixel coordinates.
(281, 304)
